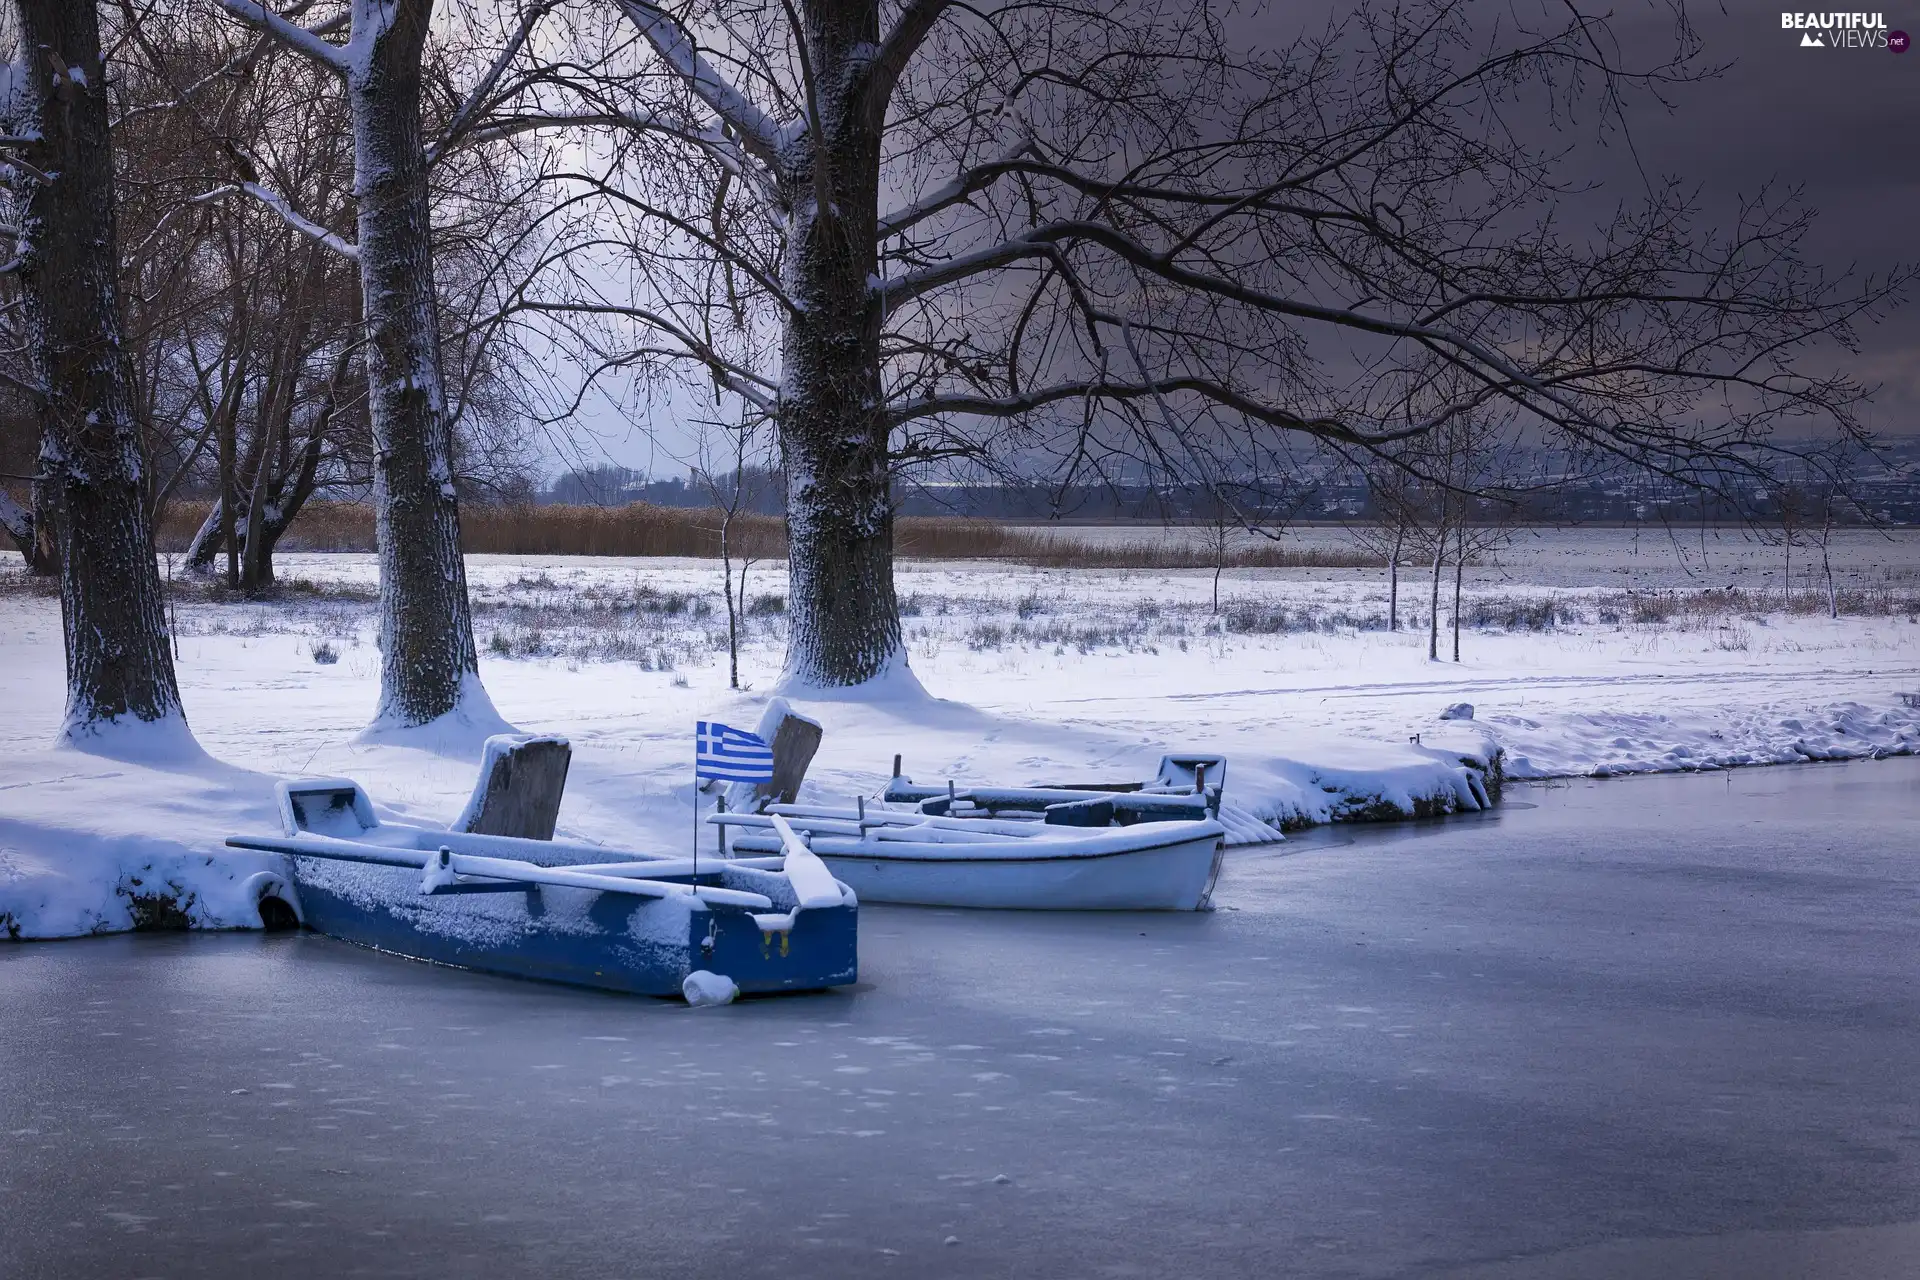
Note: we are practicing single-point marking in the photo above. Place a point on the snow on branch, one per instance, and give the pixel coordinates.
(291, 216)
(759, 133)
(959, 191)
(292, 35)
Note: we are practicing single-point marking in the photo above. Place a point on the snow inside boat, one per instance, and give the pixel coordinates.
(893, 855)
(1186, 788)
(556, 910)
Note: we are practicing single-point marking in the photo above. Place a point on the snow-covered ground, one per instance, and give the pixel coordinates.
(1032, 674)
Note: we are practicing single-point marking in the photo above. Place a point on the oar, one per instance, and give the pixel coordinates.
(812, 883)
(895, 818)
(924, 834)
(495, 869)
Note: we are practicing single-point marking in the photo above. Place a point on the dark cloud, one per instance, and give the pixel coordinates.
(1840, 123)
(1837, 123)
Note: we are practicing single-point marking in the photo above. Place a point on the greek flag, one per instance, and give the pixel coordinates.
(730, 755)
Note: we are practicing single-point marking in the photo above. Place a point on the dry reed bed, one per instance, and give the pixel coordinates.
(645, 530)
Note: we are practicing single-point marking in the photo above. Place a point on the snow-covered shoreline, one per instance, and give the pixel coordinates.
(1030, 675)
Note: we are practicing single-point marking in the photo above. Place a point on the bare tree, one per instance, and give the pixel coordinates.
(1388, 529)
(1220, 527)
(1480, 461)
(246, 325)
(1443, 517)
(1790, 504)
(732, 492)
(1244, 504)
(119, 664)
(1106, 241)
(429, 663)
(1826, 553)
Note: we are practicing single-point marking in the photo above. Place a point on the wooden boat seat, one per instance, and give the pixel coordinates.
(522, 777)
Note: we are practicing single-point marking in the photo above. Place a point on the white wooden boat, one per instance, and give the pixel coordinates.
(893, 855)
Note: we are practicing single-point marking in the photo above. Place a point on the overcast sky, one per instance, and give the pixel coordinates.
(1842, 123)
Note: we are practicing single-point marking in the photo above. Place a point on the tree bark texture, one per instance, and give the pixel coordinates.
(426, 630)
(844, 619)
(92, 458)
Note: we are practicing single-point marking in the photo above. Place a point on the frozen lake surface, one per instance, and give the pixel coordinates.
(1660, 1026)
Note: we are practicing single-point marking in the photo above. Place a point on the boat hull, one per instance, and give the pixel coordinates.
(1176, 876)
(580, 937)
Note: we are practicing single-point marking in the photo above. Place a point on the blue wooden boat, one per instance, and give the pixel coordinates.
(559, 911)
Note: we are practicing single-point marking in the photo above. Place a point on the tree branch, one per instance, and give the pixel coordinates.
(959, 191)
(298, 38)
(463, 118)
(1101, 389)
(748, 385)
(292, 217)
(759, 133)
(896, 51)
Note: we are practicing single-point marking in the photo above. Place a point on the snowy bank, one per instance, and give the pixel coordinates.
(1602, 744)
(1111, 671)
(93, 844)
(1322, 780)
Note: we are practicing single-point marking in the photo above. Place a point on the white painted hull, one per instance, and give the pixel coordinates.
(1134, 869)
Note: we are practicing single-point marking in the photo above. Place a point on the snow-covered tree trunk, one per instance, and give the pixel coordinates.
(207, 539)
(119, 665)
(290, 484)
(18, 522)
(844, 619)
(426, 631)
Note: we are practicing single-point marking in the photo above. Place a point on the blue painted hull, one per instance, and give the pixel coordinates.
(577, 936)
